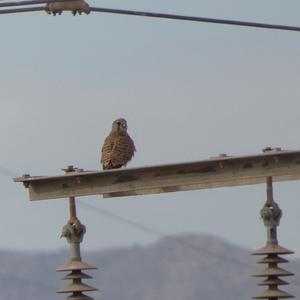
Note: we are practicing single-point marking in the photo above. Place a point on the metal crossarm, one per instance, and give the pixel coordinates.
(217, 172)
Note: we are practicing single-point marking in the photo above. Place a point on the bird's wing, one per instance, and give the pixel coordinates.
(123, 150)
(107, 149)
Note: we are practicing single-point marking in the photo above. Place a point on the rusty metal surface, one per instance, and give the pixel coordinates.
(76, 265)
(212, 173)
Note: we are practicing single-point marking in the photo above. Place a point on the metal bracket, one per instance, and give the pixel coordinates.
(75, 6)
(73, 231)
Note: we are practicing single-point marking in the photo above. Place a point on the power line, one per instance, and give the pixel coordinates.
(196, 19)
(149, 14)
(20, 10)
(28, 2)
(158, 233)
(152, 231)
(20, 3)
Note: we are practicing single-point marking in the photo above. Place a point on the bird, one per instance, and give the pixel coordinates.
(118, 148)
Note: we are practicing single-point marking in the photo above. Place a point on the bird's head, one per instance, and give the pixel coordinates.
(119, 125)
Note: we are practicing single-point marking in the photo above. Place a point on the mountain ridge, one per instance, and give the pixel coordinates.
(186, 266)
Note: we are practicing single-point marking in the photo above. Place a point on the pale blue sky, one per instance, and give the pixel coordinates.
(188, 90)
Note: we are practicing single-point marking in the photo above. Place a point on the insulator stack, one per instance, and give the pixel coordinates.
(77, 287)
(74, 231)
(271, 214)
(273, 272)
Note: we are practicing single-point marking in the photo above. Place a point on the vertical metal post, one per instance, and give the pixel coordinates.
(269, 186)
(272, 230)
(72, 207)
(74, 231)
(75, 243)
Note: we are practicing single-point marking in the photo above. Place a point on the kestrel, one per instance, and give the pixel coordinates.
(118, 148)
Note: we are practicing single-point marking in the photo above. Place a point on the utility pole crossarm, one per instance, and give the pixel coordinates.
(221, 171)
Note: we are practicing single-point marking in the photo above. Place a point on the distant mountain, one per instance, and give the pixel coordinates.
(182, 267)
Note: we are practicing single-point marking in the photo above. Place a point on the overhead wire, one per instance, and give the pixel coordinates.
(21, 10)
(160, 234)
(172, 238)
(195, 19)
(148, 14)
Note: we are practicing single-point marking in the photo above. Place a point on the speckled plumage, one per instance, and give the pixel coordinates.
(118, 148)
